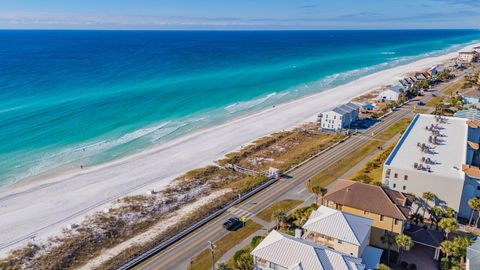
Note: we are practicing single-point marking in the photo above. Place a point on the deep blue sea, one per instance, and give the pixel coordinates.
(71, 98)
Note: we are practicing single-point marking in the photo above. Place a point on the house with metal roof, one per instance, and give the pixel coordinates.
(388, 209)
(473, 256)
(472, 113)
(440, 155)
(340, 117)
(344, 232)
(281, 251)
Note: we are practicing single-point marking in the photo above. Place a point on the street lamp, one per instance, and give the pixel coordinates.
(212, 248)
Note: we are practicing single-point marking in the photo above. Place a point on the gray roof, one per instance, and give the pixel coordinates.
(346, 227)
(345, 108)
(292, 253)
(473, 255)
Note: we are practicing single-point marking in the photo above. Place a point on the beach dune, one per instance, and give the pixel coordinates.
(41, 208)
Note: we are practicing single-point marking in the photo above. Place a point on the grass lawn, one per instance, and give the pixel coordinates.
(434, 101)
(342, 166)
(203, 261)
(454, 87)
(374, 168)
(285, 205)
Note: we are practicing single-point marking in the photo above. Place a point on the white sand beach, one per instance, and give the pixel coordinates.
(43, 207)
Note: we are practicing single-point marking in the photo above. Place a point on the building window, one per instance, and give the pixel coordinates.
(404, 187)
(405, 177)
(478, 187)
(366, 212)
(338, 207)
(387, 173)
(381, 217)
(396, 221)
(395, 175)
(339, 241)
(394, 185)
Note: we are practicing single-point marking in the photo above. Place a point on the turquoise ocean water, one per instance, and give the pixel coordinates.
(87, 97)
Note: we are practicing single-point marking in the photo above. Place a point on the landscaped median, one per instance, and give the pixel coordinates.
(203, 261)
(342, 166)
(284, 205)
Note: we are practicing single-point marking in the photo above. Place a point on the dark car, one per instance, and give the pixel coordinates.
(421, 103)
(232, 223)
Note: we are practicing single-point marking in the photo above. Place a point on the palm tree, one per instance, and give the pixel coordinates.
(461, 243)
(447, 248)
(427, 197)
(436, 214)
(319, 190)
(448, 225)
(382, 266)
(449, 213)
(389, 239)
(222, 266)
(404, 243)
(280, 217)
(417, 218)
(474, 203)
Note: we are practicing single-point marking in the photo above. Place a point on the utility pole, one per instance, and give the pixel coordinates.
(212, 248)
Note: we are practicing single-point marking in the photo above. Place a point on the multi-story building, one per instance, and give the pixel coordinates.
(343, 232)
(388, 209)
(393, 93)
(439, 155)
(466, 57)
(340, 117)
(279, 251)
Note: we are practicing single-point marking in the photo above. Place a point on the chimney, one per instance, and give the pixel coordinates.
(298, 233)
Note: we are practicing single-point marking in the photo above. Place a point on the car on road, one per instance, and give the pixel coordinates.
(232, 223)
(421, 103)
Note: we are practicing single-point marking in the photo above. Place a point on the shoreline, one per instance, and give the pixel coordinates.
(82, 192)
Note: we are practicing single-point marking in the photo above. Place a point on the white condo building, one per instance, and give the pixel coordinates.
(340, 117)
(438, 155)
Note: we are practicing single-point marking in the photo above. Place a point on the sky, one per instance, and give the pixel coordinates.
(239, 14)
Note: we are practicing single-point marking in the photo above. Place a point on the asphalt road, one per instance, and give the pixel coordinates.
(179, 255)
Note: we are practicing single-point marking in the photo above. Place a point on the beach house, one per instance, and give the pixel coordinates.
(340, 117)
(344, 232)
(392, 94)
(440, 155)
(280, 251)
(466, 57)
(388, 209)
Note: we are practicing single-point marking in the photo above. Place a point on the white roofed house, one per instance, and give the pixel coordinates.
(393, 93)
(340, 117)
(438, 155)
(343, 232)
(279, 251)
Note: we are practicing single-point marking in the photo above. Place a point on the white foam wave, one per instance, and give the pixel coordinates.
(387, 53)
(242, 106)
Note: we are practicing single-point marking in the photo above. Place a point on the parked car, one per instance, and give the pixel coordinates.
(421, 103)
(231, 223)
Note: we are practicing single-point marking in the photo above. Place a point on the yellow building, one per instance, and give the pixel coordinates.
(388, 209)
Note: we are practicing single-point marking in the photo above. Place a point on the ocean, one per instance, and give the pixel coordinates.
(81, 98)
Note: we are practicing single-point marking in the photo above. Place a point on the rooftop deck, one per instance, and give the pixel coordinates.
(432, 145)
